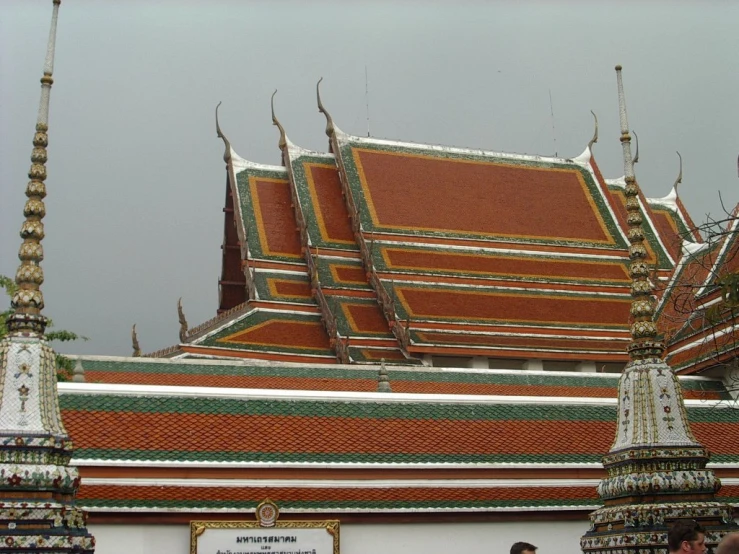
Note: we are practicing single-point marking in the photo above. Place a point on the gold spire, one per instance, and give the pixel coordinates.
(227, 144)
(644, 343)
(28, 301)
(329, 121)
(283, 136)
(595, 132)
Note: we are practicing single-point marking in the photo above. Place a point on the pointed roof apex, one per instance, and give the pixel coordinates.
(227, 144)
(330, 127)
(283, 137)
(689, 248)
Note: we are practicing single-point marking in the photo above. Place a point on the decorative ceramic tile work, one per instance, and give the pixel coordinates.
(178, 428)
(328, 243)
(250, 374)
(265, 208)
(414, 189)
(441, 277)
(657, 470)
(37, 482)
(271, 330)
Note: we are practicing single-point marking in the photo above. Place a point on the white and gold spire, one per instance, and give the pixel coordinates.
(656, 468)
(28, 300)
(37, 484)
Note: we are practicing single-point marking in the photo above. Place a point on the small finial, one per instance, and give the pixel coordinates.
(183, 321)
(680, 175)
(135, 342)
(227, 144)
(595, 133)
(636, 147)
(78, 374)
(383, 381)
(283, 136)
(329, 121)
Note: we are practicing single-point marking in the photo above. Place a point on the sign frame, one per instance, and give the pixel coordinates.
(267, 513)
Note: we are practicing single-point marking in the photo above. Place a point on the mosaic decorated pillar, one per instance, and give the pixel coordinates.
(656, 468)
(37, 484)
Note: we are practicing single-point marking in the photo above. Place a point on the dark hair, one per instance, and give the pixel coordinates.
(683, 530)
(519, 547)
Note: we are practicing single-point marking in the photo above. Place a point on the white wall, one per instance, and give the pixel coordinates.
(430, 538)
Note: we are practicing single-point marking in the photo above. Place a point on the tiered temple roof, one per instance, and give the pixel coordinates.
(443, 440)
(361, 255)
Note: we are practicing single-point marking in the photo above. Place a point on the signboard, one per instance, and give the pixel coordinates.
(264, 536)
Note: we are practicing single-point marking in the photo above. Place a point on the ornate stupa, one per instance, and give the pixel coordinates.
(37, 484)
(656, 467)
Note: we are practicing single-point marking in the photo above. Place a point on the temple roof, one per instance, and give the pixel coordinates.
(403, 250)
(702, 331)
(201, 372)
(535, 266)
(153, 431)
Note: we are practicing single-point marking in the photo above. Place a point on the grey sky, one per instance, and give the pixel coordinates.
(136, 179)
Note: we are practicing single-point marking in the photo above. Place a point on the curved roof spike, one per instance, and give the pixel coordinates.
(183, 320)
(227, 152)
(283, 136)
(680, 175)
(595, 132)
(135, 342)
(636, 146)
(329, 121)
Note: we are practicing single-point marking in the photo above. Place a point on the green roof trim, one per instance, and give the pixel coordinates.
(411, 410)
(246, 207)
(381, 265)
(255, 318)
(261, 281)
(308, 207)
(424, 375)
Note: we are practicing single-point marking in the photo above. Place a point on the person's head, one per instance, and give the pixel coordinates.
(729, 544)
(686, 536)
(523, 548)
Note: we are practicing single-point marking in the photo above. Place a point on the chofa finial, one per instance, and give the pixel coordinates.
(330, 128)
(636, 147)
(183, 321)
(283, 136)
(227, 144)
(135, 342)
(680, 175)
(595, 132)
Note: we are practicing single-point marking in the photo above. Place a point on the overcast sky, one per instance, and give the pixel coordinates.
(136, 179)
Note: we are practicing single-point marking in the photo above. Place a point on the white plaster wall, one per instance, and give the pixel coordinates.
(428, 538)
